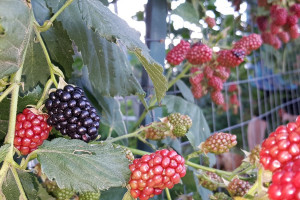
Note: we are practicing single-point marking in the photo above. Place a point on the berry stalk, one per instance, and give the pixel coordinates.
(45, 92)
(168, 194)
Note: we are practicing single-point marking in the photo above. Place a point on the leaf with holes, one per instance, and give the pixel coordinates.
(16, 27)
(70, 163)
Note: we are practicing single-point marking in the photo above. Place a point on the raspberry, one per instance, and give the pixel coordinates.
(211, 22)
(274, 28)
(238, 187)
(179, 119)
(89, 196)
(31, 131)
(292, 20)
(286, 182)
(220, 196)
(72, 114)
(293, 31)
(295, 9)
(199, 54)
(217, 97)
(196, 78)
(198, 91)
(262, 23)
(216, 83)
(281, 146)
(222, 73)
(218, 143)
(231, 58)
(279, 16)
(208, 72)
(63, 194)
(176, 55)
(152, 173)
(233, 88)
(157, 131)
(209, 180)
(249, 43)
(284, 36)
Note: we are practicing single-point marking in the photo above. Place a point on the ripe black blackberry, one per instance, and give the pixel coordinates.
(72, 114)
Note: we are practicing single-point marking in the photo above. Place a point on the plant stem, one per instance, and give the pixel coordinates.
(46, 89)
(40, 39)
(186, 68)
(253, 189)
(137, 151)
(19, 184)
(48, 23)
(168, 194)
(7, 91)
(217, 171)
(133, 134)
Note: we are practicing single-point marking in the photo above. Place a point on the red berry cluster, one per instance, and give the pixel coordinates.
(280, 25)
(286, 182)
(176, 55)
(155, 172)
(31, 131)
(281, 147)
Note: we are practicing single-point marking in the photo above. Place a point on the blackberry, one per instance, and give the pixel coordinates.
(89, 196)
(72, 114)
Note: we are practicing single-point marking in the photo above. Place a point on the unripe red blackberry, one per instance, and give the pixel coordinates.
(249, 43)
(31, 130)
(238, 187)
(176, 55)
(209, 180)
(216, 83)
(286, 182)
(262, 23)
(295, 9)
(231, 58)
(157, 131)
(222, 73)
(199, 54)
(279, 16)
(293, 31)
(220, 196)
(284, 36)
(198, 91)
(152, 173)
(211, 22)
(217, 97)
(218, 143)
(89, 196)
(208, 72)
(281, 146)
(197, 76)
(72, 114)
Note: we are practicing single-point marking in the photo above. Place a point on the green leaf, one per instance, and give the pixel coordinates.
(155, 71)
(199, 130)
(29, 182)
(71, 162)
(3, 151)
(104, 23)
(35, 70)
(185, 91)
(16, 26)
(187, 12)
(56, 38)
(127, 196)
(113, 193)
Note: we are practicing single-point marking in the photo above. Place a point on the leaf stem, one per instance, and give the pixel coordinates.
(19, 184)
(46, 89)
(137, 151)
(40, 39)
(133, 134)
(168, 194)
(48, 23)
(186, 68)
(222, 173)
(7, 91)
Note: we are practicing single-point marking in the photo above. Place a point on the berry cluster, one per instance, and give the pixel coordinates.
(280, 25)
(281, 146)
(174, 125)
(218, 143)
(286, 182)
(209, 180)
(71, 113)
(31, 130)
(238, 187)
(176, 55)
(153, 173)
